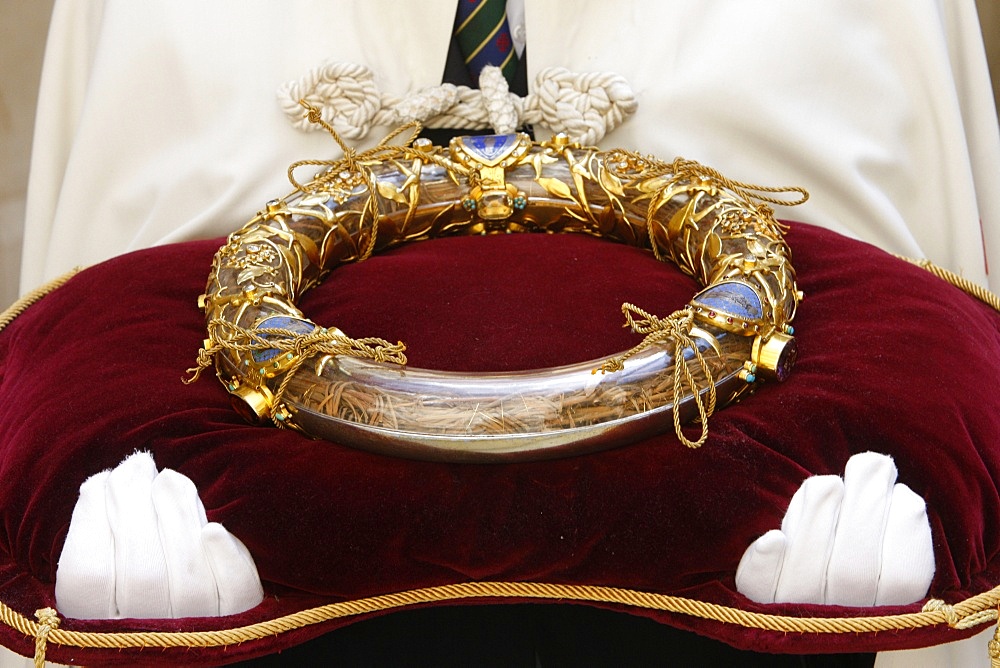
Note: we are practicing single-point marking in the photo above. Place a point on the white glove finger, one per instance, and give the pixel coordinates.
(85, 577)
(235, 571)
(757, 574)
(809, 527)
(141, 587)
(852, 577)
(907, 552)
(180, 517)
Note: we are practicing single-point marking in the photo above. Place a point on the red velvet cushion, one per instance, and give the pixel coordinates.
(891, 359)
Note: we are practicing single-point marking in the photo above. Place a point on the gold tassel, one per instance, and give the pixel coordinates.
(993, 647)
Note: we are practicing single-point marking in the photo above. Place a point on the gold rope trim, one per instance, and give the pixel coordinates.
(963, 284)
(966, 614)
(22, 304)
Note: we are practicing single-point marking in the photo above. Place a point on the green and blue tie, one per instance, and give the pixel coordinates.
(483, 36)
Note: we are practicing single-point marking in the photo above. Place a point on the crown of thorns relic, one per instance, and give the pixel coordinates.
(281, 367)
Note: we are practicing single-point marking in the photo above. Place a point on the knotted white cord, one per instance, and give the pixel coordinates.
(586, 106)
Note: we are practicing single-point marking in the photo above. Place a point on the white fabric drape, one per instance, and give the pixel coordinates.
(157, 121)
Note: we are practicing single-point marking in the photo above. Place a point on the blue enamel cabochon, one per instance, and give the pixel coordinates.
(731, 298)
(489, 149)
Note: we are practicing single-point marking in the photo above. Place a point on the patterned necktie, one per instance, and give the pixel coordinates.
(484, 37)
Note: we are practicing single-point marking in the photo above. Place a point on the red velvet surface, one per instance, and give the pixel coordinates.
(891, 359)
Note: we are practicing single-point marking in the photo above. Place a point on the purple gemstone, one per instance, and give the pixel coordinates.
(786, 361)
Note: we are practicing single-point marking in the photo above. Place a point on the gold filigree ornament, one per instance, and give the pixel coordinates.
(282, 368)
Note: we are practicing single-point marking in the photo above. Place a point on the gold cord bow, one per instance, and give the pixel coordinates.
(354, 162)
(225, 335)
(677, 326)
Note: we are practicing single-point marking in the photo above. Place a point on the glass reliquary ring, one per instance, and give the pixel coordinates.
(282, 368)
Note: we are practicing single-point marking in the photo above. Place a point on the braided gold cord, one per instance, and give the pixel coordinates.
(967, 614)
(330, 341)
(749, 191)
(22, 304)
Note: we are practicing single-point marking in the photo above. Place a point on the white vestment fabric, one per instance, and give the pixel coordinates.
(158, 120)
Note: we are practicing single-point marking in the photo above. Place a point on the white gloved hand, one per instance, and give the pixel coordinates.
(139, 545)
(858, 541)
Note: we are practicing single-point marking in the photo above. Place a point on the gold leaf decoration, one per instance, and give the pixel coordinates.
(610, 181)
(555, 187)
(389, 191)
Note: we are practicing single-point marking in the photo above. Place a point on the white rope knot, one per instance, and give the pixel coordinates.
(585, 106)
(345, 94)
(426, 103)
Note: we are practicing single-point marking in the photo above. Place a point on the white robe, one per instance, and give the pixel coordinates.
(158, 120)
